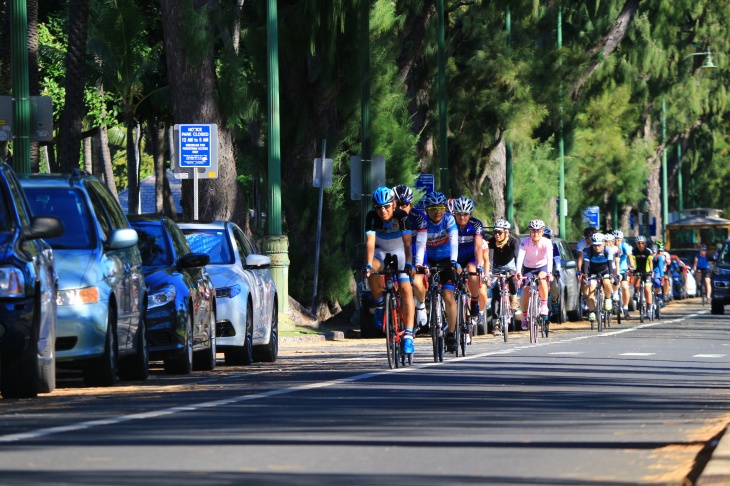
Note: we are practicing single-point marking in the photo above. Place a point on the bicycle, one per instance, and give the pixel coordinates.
(436, 314)
(534, 319)
(642, 306)
(702, 284)
(504, 310)
(392, 318)
(464, 321)
(603, 317)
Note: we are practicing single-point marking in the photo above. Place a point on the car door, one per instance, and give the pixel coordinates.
(256, 284)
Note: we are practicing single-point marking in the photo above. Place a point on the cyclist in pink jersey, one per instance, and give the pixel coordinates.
(535, 257)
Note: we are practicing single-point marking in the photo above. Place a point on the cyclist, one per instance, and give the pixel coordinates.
(404, 200)
(586, 242)
(503, 249)
(610, 240)
(555, 284)
(535, 257)
(643, 263)
(471, 256)
(387, 230)
(624, 259)
(598, 260)
(701, 268)
(442, 249)
(660, 269)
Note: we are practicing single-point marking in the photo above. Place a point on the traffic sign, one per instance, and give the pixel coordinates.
(425, 183)
(592, 216)
(317, 174)
(196, 148)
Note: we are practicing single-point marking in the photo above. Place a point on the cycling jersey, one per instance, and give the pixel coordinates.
(624, 252)
(535, 255)
(642, 260)
(505, 255)
(659, 265)
(419, 226)
(600, 263)
(467, 234)
(389, 234)
(442, 242)
(702, 262)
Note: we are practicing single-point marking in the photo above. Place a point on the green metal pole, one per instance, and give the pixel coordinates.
(443, 142)
(276, 245)
(665, 199)
(509, 181)
(680, 201)
(561, 145)
(21, 86)
(616, 224)
(367, 188)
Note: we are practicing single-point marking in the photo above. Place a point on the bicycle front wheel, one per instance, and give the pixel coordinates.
(390, 332)
(504, 324)
(598, 310)
(545, 327)
(435, 325)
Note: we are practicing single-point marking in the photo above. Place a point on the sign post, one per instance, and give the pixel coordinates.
(322, 178)
(197, 155)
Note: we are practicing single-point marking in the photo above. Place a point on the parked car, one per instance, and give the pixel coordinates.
(101, 290)
(28, 286)
(181, 312)
(248, 325)
(720, 280)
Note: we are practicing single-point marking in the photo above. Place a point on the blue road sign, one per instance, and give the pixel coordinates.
(195, 143)
(592, 216)
(425, 183)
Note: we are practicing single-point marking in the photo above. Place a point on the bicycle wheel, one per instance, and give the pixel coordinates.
(657, 314)
(618, 306)
(504, 323)
(435, 324)
(545, 327)
(642, 304)
(598, 309)
(388, 315)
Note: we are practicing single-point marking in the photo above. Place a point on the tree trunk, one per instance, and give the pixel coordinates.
(495, 173)
(97, 162)
(157, 137)
(132, 167)
(88, 156)
(73, 112)
(193, 86)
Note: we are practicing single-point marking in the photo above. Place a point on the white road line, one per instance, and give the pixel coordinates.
(709, 355)
(637, 354)
(567, 353)
(310, 386)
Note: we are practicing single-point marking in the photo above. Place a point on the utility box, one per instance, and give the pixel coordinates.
(41, 118)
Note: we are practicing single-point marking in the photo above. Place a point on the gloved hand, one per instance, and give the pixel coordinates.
(367, 270)
(456, 265)
(408, 268)
(480, 270)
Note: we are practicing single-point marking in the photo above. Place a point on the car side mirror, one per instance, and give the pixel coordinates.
(571, 264)
(193, 260)
(43, 227)
(257, 262)
(122, 238)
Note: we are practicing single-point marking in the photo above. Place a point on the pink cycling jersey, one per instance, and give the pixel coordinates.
(533, 255)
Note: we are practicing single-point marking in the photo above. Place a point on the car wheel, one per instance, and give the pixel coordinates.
(717, 307)
(19, 374)
(47, 377)
(205, 360)
(268, 352)
(137, 367)
(182, 363)
(243, 355)
(103, 371)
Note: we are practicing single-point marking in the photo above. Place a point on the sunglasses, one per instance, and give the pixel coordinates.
(436, 208)
(535, 231)
(462, 214)
(498, 233)
(379, 207)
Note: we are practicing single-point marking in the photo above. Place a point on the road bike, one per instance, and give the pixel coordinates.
(701, 284)
(392, 317)
(503, 313)
(436, 314)
(536, 322)
(603, 317)
(642, 306)
(618, 302)
(464, 322)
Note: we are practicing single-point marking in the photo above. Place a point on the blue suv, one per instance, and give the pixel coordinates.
(28, 285)
(102, 297)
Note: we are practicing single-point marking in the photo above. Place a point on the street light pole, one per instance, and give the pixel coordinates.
(665, 198)
(680, 200)
(561, 145)
(509, 181)
(21, 86)
(443, 141)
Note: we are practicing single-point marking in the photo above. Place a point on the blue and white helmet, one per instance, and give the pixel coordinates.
(598, 238)
(383, 195)
(609, 237)
(403, 194)
(618, 234)
(502, 224)
(537, 224)
(641, 239)
(463, 205)
(434, 198)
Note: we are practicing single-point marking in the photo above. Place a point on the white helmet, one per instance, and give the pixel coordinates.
(609, 237)
(597, 238)
(618, 234)
(462, 205)
(502, 224)
(537, 224)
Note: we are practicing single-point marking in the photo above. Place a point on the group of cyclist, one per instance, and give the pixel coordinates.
(447, 236)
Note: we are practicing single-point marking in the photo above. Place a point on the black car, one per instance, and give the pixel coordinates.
(28, 289)
(720, 280)
(181, 312)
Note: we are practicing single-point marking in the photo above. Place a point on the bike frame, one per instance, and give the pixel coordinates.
(505, 309)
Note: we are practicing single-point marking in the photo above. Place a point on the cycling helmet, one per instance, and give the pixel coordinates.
(609, 237)
(597, 239)
(403, 194)
(589, 231)
(703, 247)
(547, 232)
(641, 239)
(434, 198)
(618, 234)
(502, 224)
(537, 224)
(463, 205)
(382, 195)
(450, 205)
(660, 245)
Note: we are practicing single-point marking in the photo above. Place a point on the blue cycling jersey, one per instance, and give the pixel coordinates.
(467, 234)
(442, 242)
(625, 250)
(702, 262)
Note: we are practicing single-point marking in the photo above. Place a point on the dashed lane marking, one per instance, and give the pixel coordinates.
(709, 355)
(637, 354)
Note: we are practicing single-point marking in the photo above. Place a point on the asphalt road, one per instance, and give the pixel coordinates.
(636, 404)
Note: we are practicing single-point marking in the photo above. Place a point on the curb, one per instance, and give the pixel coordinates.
(717, 470)
(327, 336)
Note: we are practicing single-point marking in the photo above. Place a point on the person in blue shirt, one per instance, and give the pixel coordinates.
(701, 268)
(471, 255)
(442, 248)
(660, 264)
(624, 255)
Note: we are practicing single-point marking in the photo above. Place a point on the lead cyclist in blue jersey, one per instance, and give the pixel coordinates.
(625, 252)
(701, 268)
(387, 230)
(442, 248)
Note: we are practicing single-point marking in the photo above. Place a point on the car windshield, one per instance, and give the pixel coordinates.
(724, 256)
(214, 243)
(153, 245)
(69, 206)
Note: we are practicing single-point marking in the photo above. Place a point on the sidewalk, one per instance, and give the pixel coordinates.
(717, 470)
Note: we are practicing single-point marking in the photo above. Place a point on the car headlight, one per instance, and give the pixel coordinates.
(161, 297)
(227, 292)
(88, 295)
(722, 271)
(12, 282)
